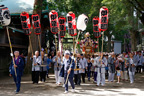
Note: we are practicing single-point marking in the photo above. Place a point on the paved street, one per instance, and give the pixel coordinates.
(49, 88)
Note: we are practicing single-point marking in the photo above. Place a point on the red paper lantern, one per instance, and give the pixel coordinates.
(36, 24)
(96, 30)
(54, 23)
(71, 24)
(103, 18)
(62, 25)
(25, 21)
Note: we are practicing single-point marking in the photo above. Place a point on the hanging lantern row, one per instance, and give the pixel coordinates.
(100, 23)
(26, 23)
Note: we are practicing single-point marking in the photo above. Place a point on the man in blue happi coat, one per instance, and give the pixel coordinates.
(19, 66)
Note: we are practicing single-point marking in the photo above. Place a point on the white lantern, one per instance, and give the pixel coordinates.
(5, 17)
(82, 22)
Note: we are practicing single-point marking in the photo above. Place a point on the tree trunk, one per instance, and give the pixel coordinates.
(109, 44)
(133, 32)
(142, 18)
(133, 40)
(34, 39)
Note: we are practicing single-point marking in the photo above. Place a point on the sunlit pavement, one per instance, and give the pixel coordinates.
(49, 88)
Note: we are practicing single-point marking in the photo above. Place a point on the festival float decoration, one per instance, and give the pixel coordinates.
(88, 45)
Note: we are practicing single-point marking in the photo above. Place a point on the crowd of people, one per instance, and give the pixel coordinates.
(75, 68)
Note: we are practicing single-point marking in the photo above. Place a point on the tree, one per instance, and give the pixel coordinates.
(37, 10)
(139, 6)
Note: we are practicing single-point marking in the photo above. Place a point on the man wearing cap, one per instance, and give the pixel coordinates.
(83, 61)
(19, 66)
(68, 67)
(101, 62)
(111, 66)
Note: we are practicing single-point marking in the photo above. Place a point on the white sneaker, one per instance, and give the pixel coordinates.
(117, 82)
(131, 82)
(102, 84)
(65, 92)
(73, 90)
(63, 85)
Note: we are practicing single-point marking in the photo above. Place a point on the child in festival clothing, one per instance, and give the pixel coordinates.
(117, 64)
(89, 69)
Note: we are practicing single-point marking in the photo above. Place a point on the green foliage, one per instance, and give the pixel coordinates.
(118, 14)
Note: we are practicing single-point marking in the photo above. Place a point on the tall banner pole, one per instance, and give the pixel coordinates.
(102, 41)
(56, 44)
(5, 21)
(103, 16)
(96, 29)
(98, 44)
(81, 26)
(30, 45)
(39, 42)
(11, 50)
(76, 41)
(61, 34)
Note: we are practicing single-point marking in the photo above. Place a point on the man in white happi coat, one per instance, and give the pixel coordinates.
(36, 67)
(79, 68)
(57, 66)
(83, 61)
(101, 63)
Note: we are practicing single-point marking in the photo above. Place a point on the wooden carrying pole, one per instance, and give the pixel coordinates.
(30, 45)
(39, 42)
(40, 48)
(98, 43)
(73, 54)
(102, 46)
(11, 50)
(102, 41)
(56, 48)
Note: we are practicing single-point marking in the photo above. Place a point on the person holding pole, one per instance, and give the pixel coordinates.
(78, 70)
(57, 66)
(83, 61)
(68, 69)
(43, 68)
(36, 67)
(19, 66)
(111, 66)
(101, 63)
